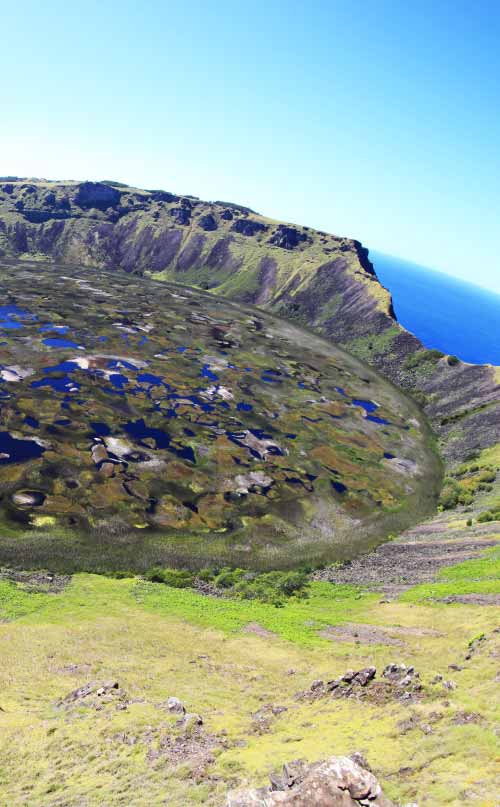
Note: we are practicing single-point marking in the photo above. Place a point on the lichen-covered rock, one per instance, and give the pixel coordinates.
(336, 782)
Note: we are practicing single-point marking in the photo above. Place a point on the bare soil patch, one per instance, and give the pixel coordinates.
(258, 630)
(374, 634)
(473, 599)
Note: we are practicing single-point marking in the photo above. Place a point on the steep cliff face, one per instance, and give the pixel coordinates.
(322, 281)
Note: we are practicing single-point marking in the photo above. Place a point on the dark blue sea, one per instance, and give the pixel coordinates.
(445, 313)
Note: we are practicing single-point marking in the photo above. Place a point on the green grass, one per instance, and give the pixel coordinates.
(484, 568)
(159, 641)
(481, 576)
(16, 601)
(299, 621)
(369, 347)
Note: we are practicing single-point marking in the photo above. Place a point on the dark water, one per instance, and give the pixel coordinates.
(454, 316)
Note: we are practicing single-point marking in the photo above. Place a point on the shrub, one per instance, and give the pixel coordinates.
(489, 515)
(421, 357)
(453, 360)
(420, 397)
(488, 475)
(292, 583)
(177, 578)
(273, 587)
(227, 578)
(207, 575)
(449, 495)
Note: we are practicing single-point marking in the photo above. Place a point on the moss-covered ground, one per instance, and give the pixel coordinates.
(227, 660)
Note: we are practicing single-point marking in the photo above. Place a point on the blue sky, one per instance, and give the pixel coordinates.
(378, 120)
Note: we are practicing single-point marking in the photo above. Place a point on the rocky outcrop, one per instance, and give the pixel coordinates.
(248, 227)
(208, 222)
(335, 782)
(164, 196)
(95, 194)
(397, 682)
(181, 215)
(287, 237)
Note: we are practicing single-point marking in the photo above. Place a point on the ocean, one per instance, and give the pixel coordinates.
(445, 313)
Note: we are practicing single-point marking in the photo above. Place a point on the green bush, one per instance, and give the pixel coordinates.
(462, 490)
(207, 575)
(453, 360)
(488, 475)
(449, 494)
(228, 578)
(421, 357)
(176, 578)
(273, 587)
(489, 515)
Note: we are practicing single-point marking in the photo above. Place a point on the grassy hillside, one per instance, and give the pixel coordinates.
(240, 665)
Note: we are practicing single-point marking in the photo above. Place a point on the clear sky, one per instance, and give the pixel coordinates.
(378, 120)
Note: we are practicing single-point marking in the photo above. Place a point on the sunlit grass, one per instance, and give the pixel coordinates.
(158, 641)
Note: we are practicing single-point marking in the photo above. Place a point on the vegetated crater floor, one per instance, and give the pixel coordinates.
(143, 422)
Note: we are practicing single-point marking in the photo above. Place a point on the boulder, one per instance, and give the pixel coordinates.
(287, 237)
(335, 782)
(248, 227)
(181, 215)
(208, 222)
(176, 706)
(366, 675)
(99, 453)
(28, 498)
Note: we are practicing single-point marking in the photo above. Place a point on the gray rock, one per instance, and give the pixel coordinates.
(176, 706)
(317, 684)
(366, 675)
(336, 782)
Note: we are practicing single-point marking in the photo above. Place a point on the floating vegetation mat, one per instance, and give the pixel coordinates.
(127, 404)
